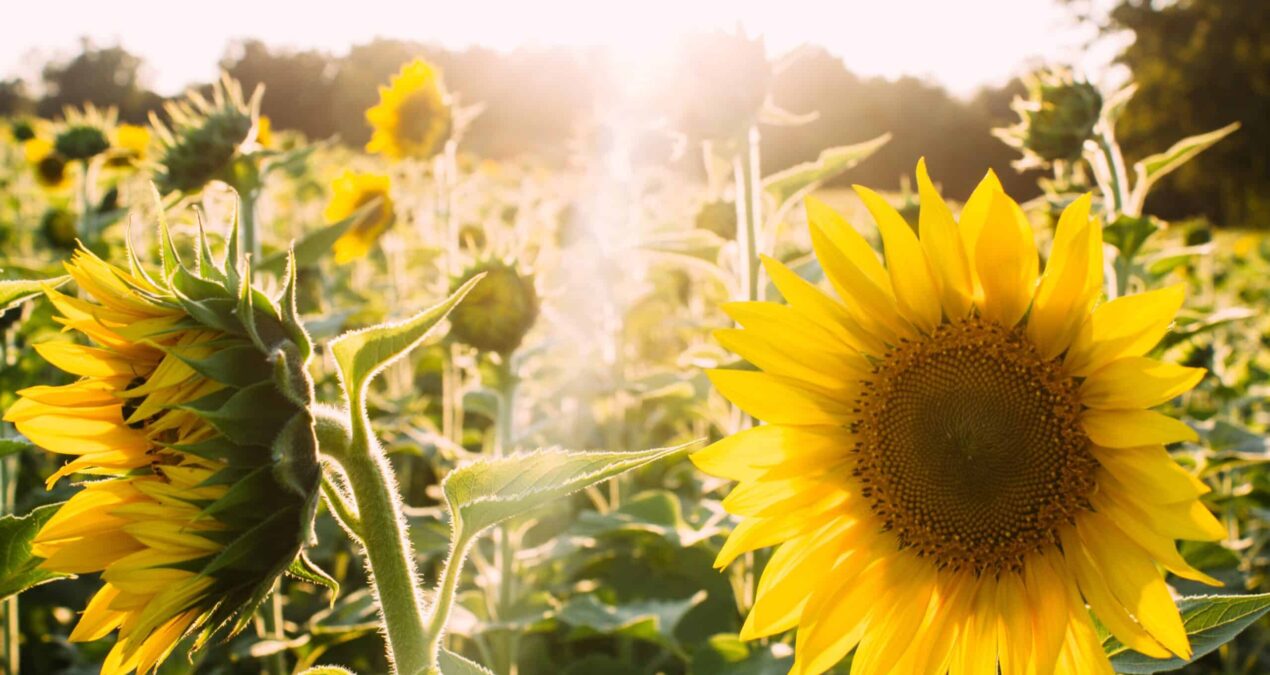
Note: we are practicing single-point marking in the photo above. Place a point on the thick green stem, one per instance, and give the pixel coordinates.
(505, 435)
(383, 537)
(248, 239)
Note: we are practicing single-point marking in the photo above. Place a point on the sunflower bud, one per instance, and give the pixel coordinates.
(59, 228)
(498, 312)
(22, 130)
(414, 116)
(203, 138)
(193, 410)
(81, 142)
(1056, 118)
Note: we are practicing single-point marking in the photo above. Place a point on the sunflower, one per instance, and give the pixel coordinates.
(130, 143)
(960, 463)
(202, 138)
(349, 193)
(49, 167)
(204, 471)
(413, 117)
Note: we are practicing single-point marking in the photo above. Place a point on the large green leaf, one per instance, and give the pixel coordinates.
(1211, 621)
(793, 183)
(361, 354)
(1157, 166)
(728, 654)
(487, 492)
(453, 664)
(12, 446)
(17, 291)
(18, 568)
(650, 620)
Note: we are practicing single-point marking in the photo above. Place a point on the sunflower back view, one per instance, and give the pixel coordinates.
(960, 463)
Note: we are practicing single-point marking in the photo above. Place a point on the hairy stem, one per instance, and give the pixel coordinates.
(383, 536)
(447, 587)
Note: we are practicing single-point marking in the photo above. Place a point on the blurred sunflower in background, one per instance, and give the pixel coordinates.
(413, 118)
(48, 166)
(349, 193)
(203, 137)
(130, 144)
(205, 469)
(960, 454)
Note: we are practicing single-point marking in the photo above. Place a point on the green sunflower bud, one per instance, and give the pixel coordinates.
(498, 312)
(81, 142)
(1056, 118)
(202, 138)
(208, 447)
(59, 228)
(22, 130)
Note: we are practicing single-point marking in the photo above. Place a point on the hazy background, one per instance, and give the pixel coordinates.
(939, 76)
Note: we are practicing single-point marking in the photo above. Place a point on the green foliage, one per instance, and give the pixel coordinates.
(1210, 620)
(19, 569)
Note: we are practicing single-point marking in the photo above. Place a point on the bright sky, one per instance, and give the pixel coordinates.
(962, 44)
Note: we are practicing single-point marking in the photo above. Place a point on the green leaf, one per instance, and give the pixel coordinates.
(793, 183)
(728, 654)
(1155, 167)
(361, 354)
(327, 670)
(17, 291)
(12, 446)
(1129, 233)
(485, 493)
(453, 664)
(1210, 620)
(649, 620)
(313, 246)
(304, 569)
(18, 568)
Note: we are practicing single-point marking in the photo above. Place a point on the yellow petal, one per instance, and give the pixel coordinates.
(974, 213)
(934, 644)
(778, 400)
(89, 361)
(1097, 592)
(1005, 258)
(1132, 428)
(774, 323)
(1181, 520)
(98, 619)
(752, 453)
(1137, 382)
(976, 650)
(944, 248)
(904, 608)
(827, 313)
(90, 554)
(1127, 326)
(74, 436)
(1134, 581)
(794, 572)
(834, 620)
(773, 497)
(756, 533)
(1048, 586)
(916, 289)
(1014, 632)
(793, 359)
(1066, 291)
(1150, 472)
(1082, 651)
(1159, 547)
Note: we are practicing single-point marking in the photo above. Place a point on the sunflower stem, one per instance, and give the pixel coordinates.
(248, 242)
(384, 539)
(447, 587)
(506, 556)
(87, 222)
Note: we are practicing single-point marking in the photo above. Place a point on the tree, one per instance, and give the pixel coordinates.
(106, 77)
(1199, 65)
(298, 85)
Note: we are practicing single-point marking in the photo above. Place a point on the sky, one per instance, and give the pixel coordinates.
(961, 44)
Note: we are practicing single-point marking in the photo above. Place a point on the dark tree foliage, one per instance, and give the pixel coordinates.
(300, 84)
(1199, 65)
(14, 99)
(104, 76)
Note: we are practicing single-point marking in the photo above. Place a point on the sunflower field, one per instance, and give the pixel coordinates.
(279, 405)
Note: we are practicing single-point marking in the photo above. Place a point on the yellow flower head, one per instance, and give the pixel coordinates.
(349, 193)
(960, 452)
(203, 458)
(48, 165)
(413, 117)
(264, 131)
(130, 145)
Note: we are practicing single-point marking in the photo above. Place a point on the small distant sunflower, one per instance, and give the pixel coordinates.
(349, 193)
(959, 454)
(48, 165)
(264, 131)
(131, 145)
(205, 463)
(413, 117)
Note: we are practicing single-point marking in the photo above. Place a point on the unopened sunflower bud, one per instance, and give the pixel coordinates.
(59, 228)
(1056, 118)
(207, 450)
(498, 313)
(202, 137)
(81, 142)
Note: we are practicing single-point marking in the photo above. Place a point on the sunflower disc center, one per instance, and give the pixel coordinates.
(971, 448)
(417, 117)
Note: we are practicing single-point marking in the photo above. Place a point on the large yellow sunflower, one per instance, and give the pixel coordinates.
(413, 117)
(206, 472)
(960, 462)
(349, 193)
